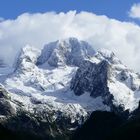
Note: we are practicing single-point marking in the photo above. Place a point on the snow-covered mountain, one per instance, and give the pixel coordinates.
(68, 79)
(105, 76)
(44, 78)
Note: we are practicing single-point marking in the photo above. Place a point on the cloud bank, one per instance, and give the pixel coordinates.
(100, 31)
(135, 11)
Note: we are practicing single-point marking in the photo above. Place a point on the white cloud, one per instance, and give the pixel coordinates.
(135, 11)
(100, 31)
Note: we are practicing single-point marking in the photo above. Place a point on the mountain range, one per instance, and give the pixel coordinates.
(59, 92)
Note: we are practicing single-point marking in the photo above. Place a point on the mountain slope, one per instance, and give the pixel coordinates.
(104, 125)
(105, 76)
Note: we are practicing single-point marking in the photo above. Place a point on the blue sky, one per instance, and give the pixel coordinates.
(112, 8)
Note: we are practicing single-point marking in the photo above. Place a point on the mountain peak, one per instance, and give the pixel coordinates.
(70, 51)
(108, 56)
(29, 53)
(27, 57)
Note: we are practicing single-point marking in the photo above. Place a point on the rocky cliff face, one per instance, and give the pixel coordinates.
(105, 76)
(92, 78)
(6, 107)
